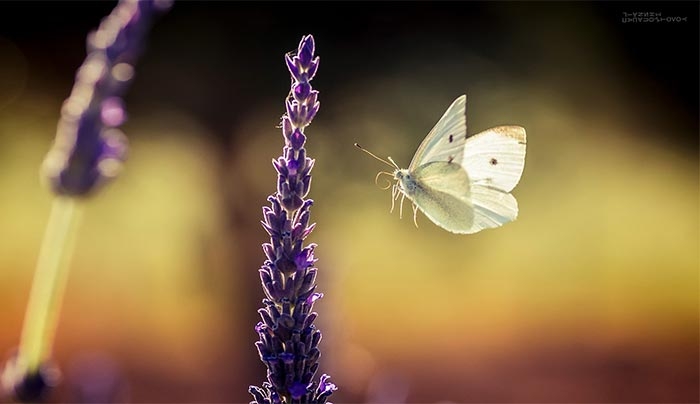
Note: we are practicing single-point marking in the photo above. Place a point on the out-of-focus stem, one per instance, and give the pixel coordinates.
(49, 285)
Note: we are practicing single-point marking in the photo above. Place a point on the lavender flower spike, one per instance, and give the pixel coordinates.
(288, 338)
(89, 149)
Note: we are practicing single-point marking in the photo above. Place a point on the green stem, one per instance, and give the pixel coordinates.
(49, 285)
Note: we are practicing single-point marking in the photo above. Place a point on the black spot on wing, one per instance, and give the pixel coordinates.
(449, 160)
(493, 161)
(451, 138)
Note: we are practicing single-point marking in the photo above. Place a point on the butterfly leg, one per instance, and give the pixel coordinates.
(393, 198)
(401, 206)
(415, 213)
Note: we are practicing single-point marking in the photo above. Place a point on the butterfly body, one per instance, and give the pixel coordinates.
(462, 183)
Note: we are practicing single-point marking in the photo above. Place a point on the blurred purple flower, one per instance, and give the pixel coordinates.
(89, 149)
(288, 338)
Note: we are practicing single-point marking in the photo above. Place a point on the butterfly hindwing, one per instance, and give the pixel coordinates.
(492, 207)
(446, 140)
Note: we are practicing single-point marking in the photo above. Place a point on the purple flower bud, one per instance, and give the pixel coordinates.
(312, 68)
(309, 320)
(292, 108)
(291, 65)
(326, 387)
(308, 230)
(305, 258)
(292, 167)
(287, 127)
(314, 296)
(313, 98)
(297, 140)
(315, 339)
(309, 280)
(306, 50)
(267, 319)
(269, 251)
(296, 282)
(265, 277)
(312, 111)
(262, 350)
(280, 167)
(306, 186)
(301, 91)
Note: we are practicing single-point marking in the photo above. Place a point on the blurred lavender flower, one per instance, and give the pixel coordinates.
(288, 338)
(89, 149)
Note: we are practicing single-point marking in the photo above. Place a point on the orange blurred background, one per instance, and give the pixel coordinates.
(590, 296)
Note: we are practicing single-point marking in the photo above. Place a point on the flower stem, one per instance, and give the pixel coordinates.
(49, 285)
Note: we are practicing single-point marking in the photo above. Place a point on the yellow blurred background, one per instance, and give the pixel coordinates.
(590, 296)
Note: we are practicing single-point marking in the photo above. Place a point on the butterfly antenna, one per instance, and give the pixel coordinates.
(392, 164)
(388, 181)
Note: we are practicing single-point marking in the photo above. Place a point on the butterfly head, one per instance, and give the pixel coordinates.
(404, 181)
(402, 176)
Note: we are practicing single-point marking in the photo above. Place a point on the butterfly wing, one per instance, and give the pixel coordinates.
(494, 160)
(446, 140)
(441, 190)
(492, 208)
(496, 157)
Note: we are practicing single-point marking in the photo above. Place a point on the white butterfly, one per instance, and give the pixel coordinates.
(462, 183)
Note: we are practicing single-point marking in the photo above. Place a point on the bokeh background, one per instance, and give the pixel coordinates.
(590, 296)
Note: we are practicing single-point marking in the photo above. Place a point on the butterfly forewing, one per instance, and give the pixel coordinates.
(496, 157)
(445, 142)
